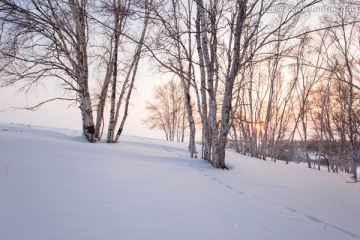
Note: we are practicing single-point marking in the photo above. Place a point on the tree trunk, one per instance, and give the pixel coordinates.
(204, 109)
(111, 128)
(82, 69)
(102, 99)
(86, 112)
(185, 82)
(117, 30)
(219, 161)
(133, 69)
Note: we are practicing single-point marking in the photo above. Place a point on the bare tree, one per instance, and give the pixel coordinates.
(167, 111)
(173, 53)
(116, 14)
(132, 71)
(341, 59)
(247, 29)
(45, 40)
(306, 72)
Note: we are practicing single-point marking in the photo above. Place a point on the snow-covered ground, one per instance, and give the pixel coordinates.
(54, 185)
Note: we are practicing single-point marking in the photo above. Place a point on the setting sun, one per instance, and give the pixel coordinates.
(257, 126)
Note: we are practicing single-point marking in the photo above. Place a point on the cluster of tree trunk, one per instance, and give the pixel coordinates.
(64, 41)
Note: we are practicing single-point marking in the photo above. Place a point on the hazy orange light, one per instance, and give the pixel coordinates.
(258, 126)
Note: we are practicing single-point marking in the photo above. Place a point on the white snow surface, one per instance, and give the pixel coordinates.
(54, 185)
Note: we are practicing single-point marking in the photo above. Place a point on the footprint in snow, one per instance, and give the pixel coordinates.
(290, 209)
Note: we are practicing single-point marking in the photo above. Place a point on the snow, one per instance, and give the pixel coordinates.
(55, 185)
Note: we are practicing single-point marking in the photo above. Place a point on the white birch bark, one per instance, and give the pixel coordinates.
(239, 54)
(208, 63)
(204, 108)
(219, 160)
(82, 70)
(117, 11)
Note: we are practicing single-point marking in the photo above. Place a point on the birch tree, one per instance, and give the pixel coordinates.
(43, 40)
(342, 62)
(173, 51)
(306, 71)
(128, 85)
(167, 111)
(46, 40)
(245, 32)
(116, 15)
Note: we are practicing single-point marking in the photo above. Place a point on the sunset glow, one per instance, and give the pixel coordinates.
(258, 126)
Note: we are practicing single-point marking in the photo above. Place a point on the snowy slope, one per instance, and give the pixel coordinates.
(54, 185)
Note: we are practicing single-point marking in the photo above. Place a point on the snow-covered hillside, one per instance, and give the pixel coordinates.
(54, 185)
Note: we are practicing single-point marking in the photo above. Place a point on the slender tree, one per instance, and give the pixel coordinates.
(342, 65)
(173, 51)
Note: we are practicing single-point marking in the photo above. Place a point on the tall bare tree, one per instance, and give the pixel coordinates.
(42, 40)
(341, 57)
(172, 50)
(167, 111)
(248, 29)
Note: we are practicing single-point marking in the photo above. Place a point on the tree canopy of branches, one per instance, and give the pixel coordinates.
(54, 40)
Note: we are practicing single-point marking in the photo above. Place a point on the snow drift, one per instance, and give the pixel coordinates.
(55, 185)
